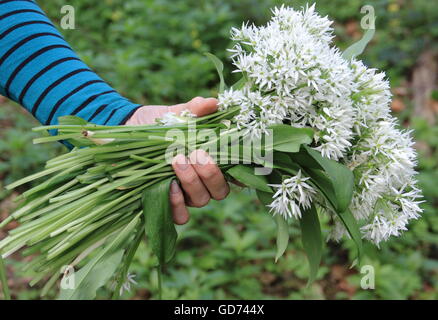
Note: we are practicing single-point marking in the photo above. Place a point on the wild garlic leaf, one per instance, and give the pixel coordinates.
(282, 226)
(219, 68)
(94, 275)
(312, 240)
(352, 227)
(289, 139)
(105, 257)
(282, 235)
(159, 226)
(340, 176)
(247, 176)
(335, 181)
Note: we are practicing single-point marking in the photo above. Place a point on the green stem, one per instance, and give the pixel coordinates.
(3, 279)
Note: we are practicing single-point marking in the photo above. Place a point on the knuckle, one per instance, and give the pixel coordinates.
(176, 199)
(197, 99)
(208, 173)
(190, 180)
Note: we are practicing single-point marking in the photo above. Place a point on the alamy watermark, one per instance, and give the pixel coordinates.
(368, 280)
(368, 21)
(68, 20)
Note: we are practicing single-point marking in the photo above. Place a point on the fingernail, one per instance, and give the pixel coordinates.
(174, 187)
(200, 157)
(181, 162)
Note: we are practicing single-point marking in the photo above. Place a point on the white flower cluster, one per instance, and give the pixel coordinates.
(294, 75)
(289, 192)
(383, 161)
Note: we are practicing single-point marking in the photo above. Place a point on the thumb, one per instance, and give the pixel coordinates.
(198, 106)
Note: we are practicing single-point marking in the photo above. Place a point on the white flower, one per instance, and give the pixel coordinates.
(126, 286)
(187, 114)
(291, 195)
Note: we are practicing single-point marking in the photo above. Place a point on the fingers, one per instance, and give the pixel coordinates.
(177, 202)
(210, 175)
(200, 178)
(198, 106)
(197, 194)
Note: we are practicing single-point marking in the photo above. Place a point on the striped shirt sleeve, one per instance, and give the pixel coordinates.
(39, 70)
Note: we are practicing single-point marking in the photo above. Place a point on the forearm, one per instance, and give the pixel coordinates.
(39, 70)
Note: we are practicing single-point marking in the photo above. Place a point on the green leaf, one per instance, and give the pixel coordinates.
(336, 183)
(160, 229)
(281, 223)
(283, 162)
(239, 84)
(341, 177)
(71, 120)
(127, 260)
(84, 278)
(312, 240)
(358, 47)
(219, 68)
(282, 235)
(246, 175)
(289, 139)
(324, 184)
(352, 227)
(94, 275)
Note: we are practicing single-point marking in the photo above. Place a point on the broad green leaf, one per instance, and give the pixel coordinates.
(289, 139)
(160, 229)
(219, 68)
(341, 177)
(324, 184)
(358, 47)
(322, 181)
(246, 175)
(283, 162)
(335, 182)
(84, 277)
(352, 227)
(312, 240)
(281, 223)
(94, 275)
(282, 235)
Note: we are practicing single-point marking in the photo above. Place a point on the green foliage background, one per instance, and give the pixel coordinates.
(152, 52)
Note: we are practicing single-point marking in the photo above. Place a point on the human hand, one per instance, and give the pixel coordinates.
(199, 176)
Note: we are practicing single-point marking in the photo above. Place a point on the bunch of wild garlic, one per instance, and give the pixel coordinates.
(322, 116)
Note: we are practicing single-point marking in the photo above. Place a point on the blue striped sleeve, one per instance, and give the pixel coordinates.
(39, 70)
